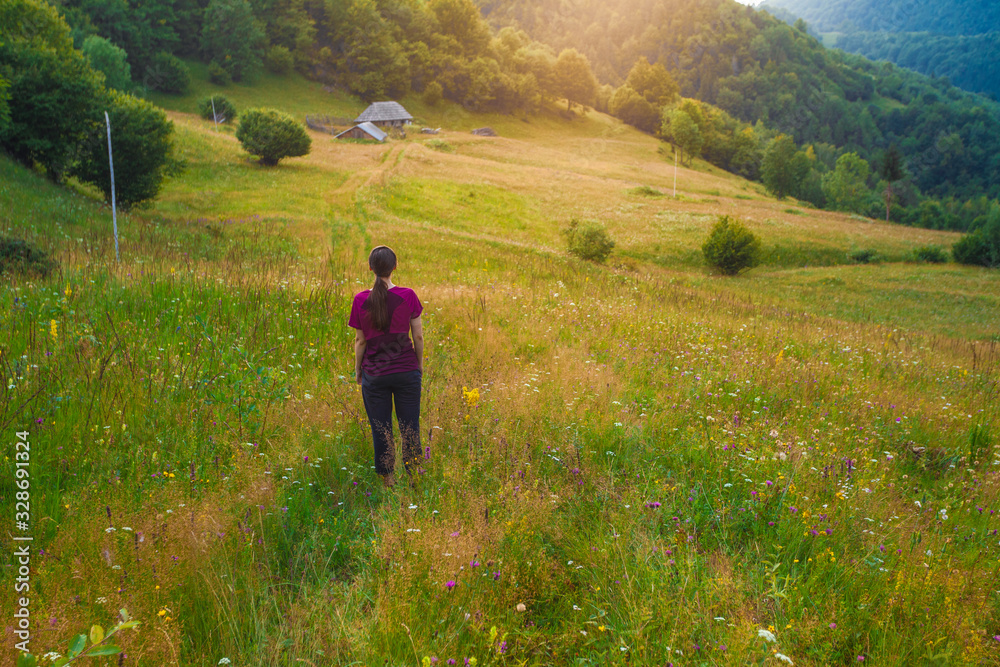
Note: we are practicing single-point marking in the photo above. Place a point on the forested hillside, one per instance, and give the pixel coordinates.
(757, 68)
(959, 40)
(954, 17)
(971, 62)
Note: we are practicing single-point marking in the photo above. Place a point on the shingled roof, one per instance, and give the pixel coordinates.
(383, 112)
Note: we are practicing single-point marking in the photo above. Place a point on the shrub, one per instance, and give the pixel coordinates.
(17, 256)
(167, 74)
(225, 111)
(272, 135)
(433, 94)
(731, 247)
(588, 240)
(863, 256)
(142, 146)
(440, 145)
(218, 74)
(980, 247)
(931, 253)
(279, 60)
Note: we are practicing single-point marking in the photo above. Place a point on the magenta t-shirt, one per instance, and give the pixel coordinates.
(391, 350)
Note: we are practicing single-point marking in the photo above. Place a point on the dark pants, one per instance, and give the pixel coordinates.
(379, 392)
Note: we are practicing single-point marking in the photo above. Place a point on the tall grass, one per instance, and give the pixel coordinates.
(654, 465)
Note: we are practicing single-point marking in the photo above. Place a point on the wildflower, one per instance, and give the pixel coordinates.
(861, 658)
(653, 504)
(54, 329)
(833, 626)
(521, 608)
(225, 661)
(766, 635)
(450, 584)
(784, 658)
(471, 396)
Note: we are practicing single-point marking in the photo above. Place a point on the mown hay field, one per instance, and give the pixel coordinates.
(635, 463)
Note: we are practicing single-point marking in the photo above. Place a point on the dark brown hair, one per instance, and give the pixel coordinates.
(382, 261)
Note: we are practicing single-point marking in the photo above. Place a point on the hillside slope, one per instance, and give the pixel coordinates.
(629, 462)
(951, 17)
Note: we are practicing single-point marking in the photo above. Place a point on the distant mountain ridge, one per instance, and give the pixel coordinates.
(954, 17)
(959, 40)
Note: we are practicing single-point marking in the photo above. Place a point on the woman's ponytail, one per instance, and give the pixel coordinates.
(382, 261)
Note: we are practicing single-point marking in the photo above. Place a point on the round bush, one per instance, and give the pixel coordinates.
(731, 247)
(225, 111)
(142, 145)
(279, 60)
(272, 135)
(167, 74)
(588, 240)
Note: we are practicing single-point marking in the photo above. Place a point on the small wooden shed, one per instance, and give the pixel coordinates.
(363, 131)
(385, 114)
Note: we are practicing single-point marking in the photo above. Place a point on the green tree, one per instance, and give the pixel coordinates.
(731, 247)
(653, 82)
(53, 93)
(233, 37)
(573, 78)
(846, 187)
(682, 131)
(783, 167)
(272, 135)
(142, 146)
(634, 109)
(890, 168)
(110, 61)
(461, 21)
(372, 64)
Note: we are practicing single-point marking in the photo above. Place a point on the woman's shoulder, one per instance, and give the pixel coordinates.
(403, 291)
(362, 295)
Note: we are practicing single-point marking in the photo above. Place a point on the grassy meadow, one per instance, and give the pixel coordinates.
(638, 463)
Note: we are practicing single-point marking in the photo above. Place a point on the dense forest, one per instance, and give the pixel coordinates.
(954, 17)
(971, 62)
(957, 40)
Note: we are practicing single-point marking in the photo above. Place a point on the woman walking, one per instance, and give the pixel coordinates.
(387, 364)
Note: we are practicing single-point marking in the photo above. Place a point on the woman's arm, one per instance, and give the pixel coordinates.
(417, 331)
(360, 344)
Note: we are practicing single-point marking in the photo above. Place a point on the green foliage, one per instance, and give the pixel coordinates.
(272, 135)
(588, 240)
(433, 94)
(653, 82)
(372, 64)
(573, 78)
(931, 254)
(958, 17)
(784, 167)
(53, 93)
(980, 247)
(142, 148)
(233, 37)
(634, 109)
(864, 256)
(846, 187)
(223, 110)
(168, 74)
(279, 60)
(4, 105)
(462, 25)
(219, 75)
(731, 247)
(22, 258)
(110, 61)
(968, 61)
(683, 132)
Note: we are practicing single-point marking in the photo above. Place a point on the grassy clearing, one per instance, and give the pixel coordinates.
(656, 463)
